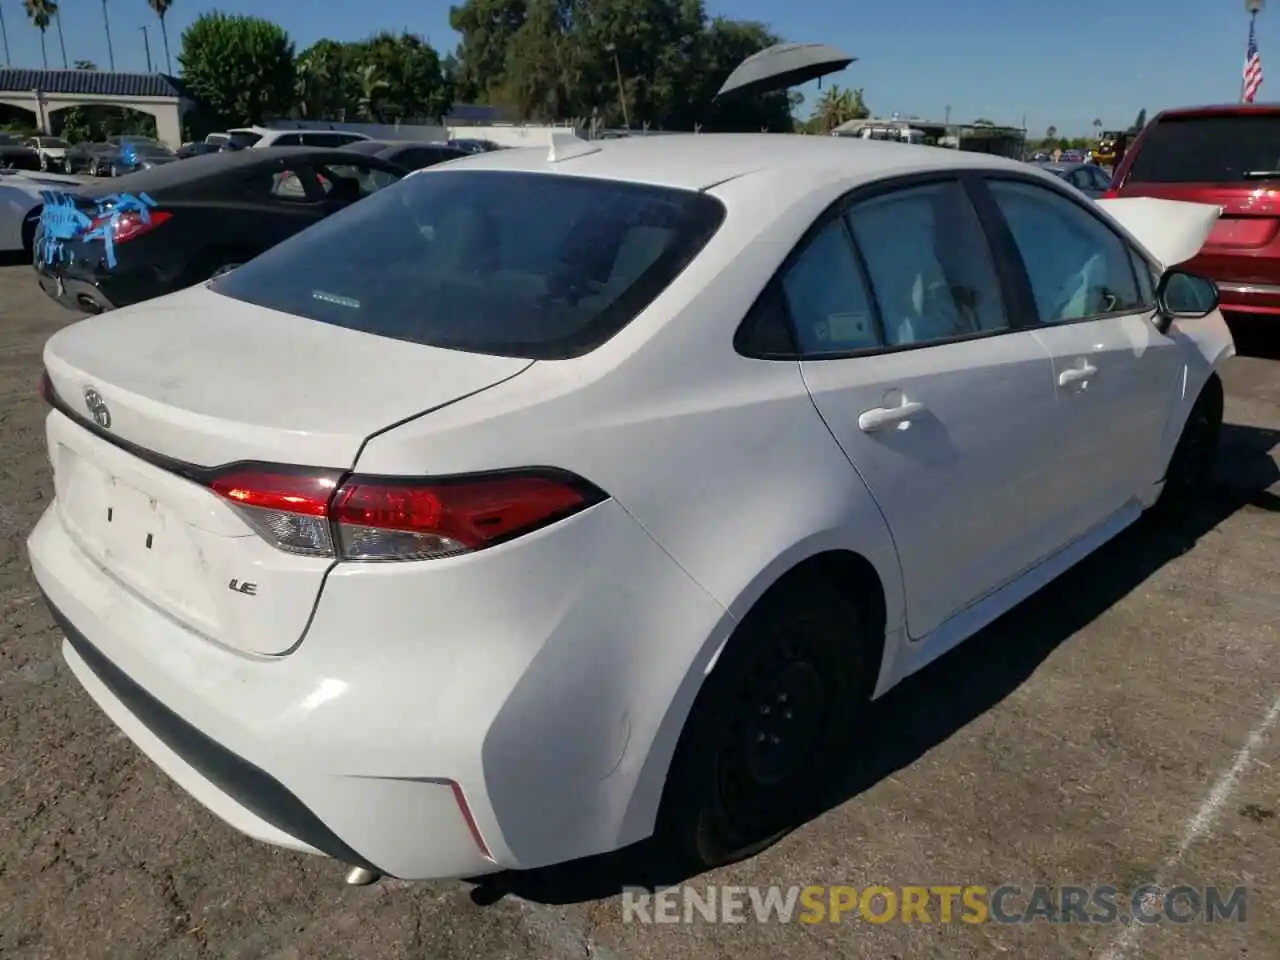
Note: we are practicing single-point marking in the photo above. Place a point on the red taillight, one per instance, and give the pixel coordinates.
(134, 223)
(378, 518)
(1110, 193)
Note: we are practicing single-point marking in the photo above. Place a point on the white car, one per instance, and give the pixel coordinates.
(263, 137)
(52, 151)
(546, 500)
(21, 201)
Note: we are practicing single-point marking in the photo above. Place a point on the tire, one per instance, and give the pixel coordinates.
(767, 736)
(29, 238)
(1190, 470)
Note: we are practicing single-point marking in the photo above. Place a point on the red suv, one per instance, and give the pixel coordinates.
(1228, 156)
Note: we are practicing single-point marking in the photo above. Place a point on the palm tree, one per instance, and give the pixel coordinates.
(370, 86)
(106, 22)
(57, 17)
(41, 15)
(161, 7)
(839, 106)
(1097, 128)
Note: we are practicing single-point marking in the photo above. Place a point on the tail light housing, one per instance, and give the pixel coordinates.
(133, 223)
(1110, 193)
(327, 514)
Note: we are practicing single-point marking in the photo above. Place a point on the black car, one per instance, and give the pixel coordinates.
(198, 149)
(410, 154)
(16, 155)
(473, 145)
(156, 231)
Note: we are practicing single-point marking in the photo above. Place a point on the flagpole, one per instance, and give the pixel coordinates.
(1251, 7)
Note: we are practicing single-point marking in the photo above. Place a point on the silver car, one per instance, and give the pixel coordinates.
(1089, 179)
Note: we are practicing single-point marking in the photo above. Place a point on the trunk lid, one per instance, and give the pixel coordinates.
(197, 380)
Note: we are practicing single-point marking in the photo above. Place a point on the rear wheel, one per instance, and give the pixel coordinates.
(1191, 466)
(768, 734)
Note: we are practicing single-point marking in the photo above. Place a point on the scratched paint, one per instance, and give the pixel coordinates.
(63, 220)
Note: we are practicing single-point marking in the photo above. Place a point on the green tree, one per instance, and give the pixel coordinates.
(241, 68)
(320, 82)
(161, 7)
(487, 28)
(41, 13)
(412, 83)
(555, 60)
(837, 106)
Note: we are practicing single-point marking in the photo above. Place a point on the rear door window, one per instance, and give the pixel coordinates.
(500, 262)
(327, 139)
(287, 140)
(1224, 149)
(349, 182)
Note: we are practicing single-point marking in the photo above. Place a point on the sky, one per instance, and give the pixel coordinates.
(1062, 63)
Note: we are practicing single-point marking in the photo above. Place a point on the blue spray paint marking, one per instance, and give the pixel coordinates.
(62, 220)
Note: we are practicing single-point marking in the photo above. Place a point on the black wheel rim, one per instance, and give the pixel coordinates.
(776, 732)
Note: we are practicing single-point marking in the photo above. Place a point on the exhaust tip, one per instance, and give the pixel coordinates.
(362, 877)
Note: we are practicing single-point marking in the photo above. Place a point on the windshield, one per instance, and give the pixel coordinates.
(1223, 149)
(508, 263)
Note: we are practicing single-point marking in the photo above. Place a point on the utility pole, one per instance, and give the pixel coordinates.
(4, 35)
(147, 43)
(622, 93)
(106, 22)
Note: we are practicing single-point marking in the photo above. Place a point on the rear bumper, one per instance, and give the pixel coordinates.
(1252, 299)
(501, 714)
(74, 293)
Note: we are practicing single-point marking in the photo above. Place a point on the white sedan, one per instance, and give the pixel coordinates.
(546, 501)
(20, 204)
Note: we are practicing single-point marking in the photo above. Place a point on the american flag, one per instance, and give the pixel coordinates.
(1252, 69)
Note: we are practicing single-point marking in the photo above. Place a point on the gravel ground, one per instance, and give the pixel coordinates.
(1119, 728)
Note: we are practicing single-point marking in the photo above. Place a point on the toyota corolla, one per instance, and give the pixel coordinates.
(546, 501)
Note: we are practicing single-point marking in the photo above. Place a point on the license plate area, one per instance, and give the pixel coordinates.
(135, 537)
(1242, 232)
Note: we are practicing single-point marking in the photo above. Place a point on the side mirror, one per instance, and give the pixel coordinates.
(1184, 296)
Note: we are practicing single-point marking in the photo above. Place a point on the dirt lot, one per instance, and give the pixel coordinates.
(1122, 727)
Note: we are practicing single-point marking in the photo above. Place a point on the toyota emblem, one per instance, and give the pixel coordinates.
(98, 408)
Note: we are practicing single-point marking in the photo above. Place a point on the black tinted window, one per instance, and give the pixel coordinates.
(245, 139)
(515, 264)
(1228, 149)
(328, 139)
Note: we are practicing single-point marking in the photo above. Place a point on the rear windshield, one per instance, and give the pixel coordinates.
(517, 264)
(1226, 149)
(244, 138)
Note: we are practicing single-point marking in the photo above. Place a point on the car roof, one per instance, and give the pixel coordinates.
(700, 161)
(1220, 110)
(216, 164)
